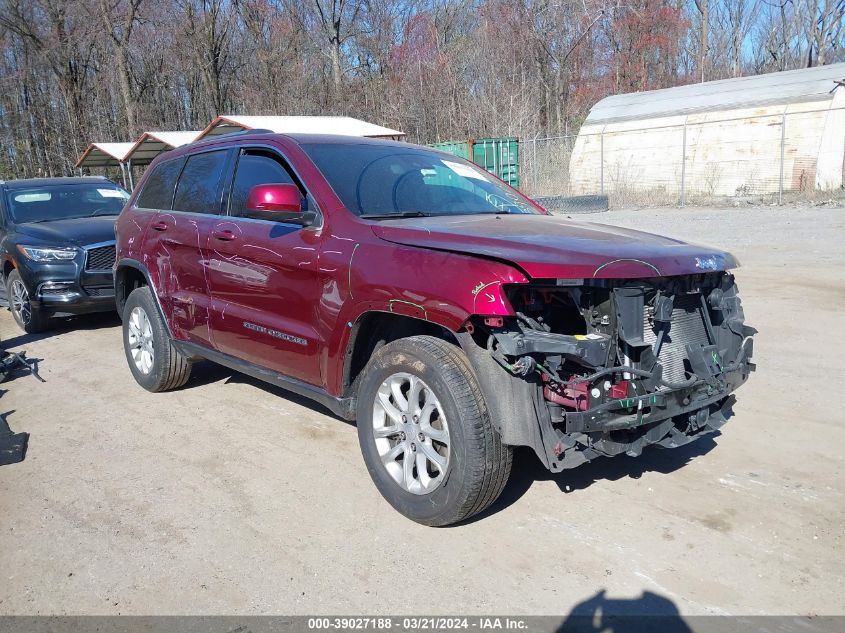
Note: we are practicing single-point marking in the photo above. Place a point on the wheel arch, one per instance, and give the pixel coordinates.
(8, 267)
(374, 329)
(130, 274)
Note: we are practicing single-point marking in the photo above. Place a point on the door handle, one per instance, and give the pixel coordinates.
(159, 226)
(224, 236)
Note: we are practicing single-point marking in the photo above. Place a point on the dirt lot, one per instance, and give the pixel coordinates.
(230, 496)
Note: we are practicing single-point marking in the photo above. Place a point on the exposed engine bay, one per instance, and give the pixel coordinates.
(619, 364)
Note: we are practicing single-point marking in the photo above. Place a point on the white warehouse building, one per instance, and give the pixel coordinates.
(756, 135)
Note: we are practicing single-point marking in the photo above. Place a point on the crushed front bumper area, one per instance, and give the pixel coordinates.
(668, 419)
(609, 367)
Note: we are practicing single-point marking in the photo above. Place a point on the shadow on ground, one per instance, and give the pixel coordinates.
(207, 372)
(526, 467)
(97, 321)
(649, 612)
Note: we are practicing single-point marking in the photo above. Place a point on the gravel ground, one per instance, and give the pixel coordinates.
(230, 496)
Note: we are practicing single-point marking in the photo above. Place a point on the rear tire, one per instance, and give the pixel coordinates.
(458, 463)
(28, 318)
(153, 360)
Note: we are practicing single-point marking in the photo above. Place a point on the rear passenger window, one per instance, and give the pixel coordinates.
(258, 168)
(198, 190)
(158, 190)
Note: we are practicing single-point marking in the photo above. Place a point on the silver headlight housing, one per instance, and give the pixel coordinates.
(48, 253)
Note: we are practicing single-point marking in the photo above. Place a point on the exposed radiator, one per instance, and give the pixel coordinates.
(687, 327)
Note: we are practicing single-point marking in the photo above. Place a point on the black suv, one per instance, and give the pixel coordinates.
(57, 246)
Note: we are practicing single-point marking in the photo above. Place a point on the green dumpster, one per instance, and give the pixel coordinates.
(457, 148)
(499, 156)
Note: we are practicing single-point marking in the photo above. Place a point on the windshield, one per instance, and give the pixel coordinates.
(375, 181)
(62, 202)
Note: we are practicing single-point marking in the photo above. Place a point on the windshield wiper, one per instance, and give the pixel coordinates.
(483, 213)
(403, 214)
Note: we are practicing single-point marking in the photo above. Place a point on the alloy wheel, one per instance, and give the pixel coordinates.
(20, 302)
(411, 433)
(141, 343)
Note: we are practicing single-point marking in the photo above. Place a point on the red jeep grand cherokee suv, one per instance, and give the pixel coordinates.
(417, 294)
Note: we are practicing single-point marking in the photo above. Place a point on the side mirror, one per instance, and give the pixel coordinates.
(278, 203)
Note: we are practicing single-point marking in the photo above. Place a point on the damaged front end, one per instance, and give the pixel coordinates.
(610, 366)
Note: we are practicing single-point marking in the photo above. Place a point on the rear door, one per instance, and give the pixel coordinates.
(154, 199)
(177, 238)
(263, 277)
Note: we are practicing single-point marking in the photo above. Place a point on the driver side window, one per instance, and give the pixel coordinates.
(255, 167)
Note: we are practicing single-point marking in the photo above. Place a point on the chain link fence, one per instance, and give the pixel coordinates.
(694, 159)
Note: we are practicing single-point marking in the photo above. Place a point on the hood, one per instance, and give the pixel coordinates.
(546, 246)
(72, 232)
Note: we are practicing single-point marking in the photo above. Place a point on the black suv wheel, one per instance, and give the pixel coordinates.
(425, 432)
(154, 361)
(26, 316)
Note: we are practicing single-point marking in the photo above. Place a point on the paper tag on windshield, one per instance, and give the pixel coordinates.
(111, 193)
(463, 170)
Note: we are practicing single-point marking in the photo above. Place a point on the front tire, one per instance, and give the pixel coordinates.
(28, 318)
(426, 435)
(153, 360)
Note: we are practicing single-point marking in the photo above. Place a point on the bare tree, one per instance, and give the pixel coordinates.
(337, 23)
(118, 19)
(822, 28)
(73, 71)
(703, 7)
(211, 27)
(734, 21)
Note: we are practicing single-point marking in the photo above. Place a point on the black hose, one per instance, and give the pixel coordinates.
(534, 324)
(615, 370)
(679, 385)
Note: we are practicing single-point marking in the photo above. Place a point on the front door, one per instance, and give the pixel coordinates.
(263, 277)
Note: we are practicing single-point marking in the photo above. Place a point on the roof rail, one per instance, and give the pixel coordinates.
(241, 133)
(217, 137)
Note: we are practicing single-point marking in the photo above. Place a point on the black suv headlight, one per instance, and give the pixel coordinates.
(48, 254)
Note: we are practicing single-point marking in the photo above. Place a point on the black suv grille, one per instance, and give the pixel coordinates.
(55, 291)
(101, 258)
(99, 292)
